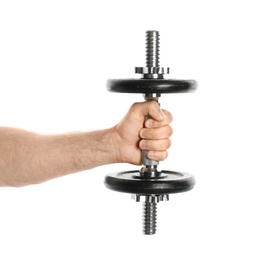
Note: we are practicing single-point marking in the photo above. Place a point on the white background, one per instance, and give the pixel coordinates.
(55, 58)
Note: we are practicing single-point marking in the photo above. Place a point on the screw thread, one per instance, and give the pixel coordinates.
(149, 218)
(152, 48)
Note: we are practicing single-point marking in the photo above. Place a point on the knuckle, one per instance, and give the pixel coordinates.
(168, 143)
(134, 105)
(170, 117)
(164, 155)
(169, 131)
(153, 104)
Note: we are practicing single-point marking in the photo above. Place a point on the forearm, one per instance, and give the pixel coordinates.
(28, 158)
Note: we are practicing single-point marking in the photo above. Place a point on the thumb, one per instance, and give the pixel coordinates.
(153, 110)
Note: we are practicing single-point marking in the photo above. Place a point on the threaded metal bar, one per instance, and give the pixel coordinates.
(152, 49)
(149, 218)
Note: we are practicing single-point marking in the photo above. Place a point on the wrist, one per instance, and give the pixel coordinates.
(109, 146)
(113, 144)
(97, 148)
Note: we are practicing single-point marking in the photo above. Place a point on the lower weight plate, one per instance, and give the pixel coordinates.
(169, 182)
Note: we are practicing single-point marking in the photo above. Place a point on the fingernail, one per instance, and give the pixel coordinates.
(151, 155)
(142, 145)
(141, 133)
(149, 123)
(161, 114)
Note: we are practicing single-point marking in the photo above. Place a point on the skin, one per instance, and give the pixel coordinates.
(29, 158)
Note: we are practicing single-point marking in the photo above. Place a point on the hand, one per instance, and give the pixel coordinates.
(133, 134)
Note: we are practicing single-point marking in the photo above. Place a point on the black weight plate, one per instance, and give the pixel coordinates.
(151, 85)
(172, 182)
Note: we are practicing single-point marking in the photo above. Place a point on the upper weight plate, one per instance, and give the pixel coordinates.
(171, 182)
(151, 85)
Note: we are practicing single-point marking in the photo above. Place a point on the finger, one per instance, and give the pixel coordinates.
(155, 145)
(157, 155)
(156, 133)
(151, 123)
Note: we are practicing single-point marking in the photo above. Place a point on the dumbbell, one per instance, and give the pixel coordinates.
(148, 184)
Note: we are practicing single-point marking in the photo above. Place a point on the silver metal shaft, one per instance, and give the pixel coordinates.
(150, 210)
(149, 218)
(152, 49)
(149, 170)
(152, 60)
(152, 70)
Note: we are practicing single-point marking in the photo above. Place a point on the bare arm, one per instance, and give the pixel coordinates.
(29, 158)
